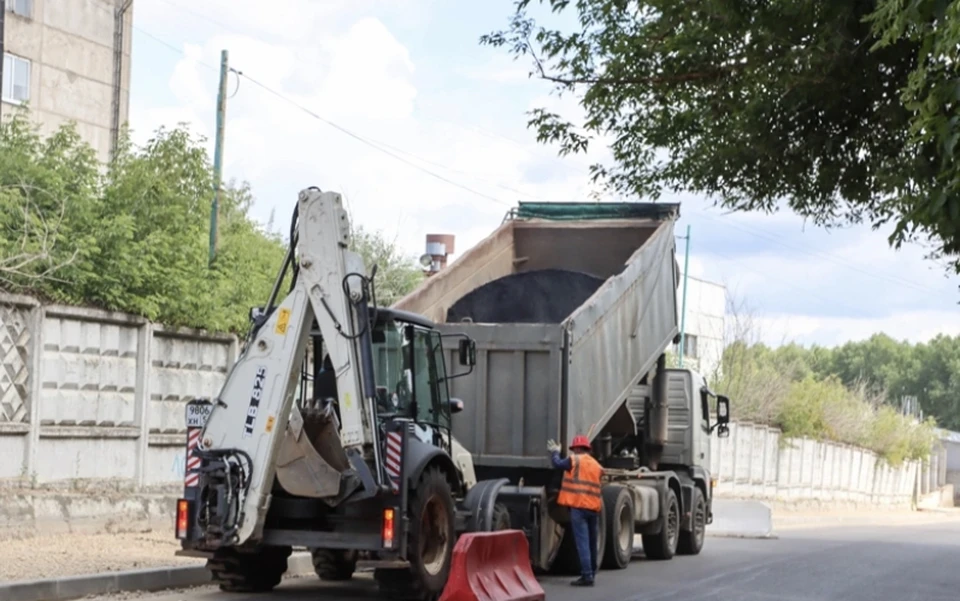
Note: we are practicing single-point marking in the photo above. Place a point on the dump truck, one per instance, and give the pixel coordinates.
(376, 436)
(572, 307)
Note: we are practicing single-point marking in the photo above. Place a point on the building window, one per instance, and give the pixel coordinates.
(691, 349)
(16, 79)
(24, 8)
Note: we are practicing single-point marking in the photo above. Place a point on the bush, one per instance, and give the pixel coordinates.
(776, 387)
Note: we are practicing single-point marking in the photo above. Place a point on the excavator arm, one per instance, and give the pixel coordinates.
(255, 432)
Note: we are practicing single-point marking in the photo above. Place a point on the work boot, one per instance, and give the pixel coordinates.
(581, 581)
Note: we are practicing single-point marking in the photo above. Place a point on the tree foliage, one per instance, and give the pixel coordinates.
(133, 235)
(397, 273)
(851, 393)
(845, 111)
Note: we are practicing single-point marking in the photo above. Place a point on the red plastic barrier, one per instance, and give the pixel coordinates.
(492, 566)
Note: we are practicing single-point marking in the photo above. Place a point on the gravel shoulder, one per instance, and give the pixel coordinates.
(55, 556)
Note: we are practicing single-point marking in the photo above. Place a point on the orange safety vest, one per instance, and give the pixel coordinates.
(581, 484)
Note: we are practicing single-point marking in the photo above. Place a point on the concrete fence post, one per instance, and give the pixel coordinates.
(734, 452)
(141, 411)
(37, 318)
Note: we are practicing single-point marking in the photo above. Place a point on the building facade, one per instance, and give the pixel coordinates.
(68, 60)
(705, 325)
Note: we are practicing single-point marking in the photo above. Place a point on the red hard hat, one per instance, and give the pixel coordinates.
(580, 442)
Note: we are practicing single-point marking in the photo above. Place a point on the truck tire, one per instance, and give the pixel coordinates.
(567, 561)
(333, 565)
(242, 571)
(691, 542)
(432, 522)
(663, 545)
(618, 504)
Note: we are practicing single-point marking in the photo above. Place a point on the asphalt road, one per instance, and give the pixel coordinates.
(898, 563)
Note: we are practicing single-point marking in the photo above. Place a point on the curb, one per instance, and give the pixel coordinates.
(75, 587)
(748, 535)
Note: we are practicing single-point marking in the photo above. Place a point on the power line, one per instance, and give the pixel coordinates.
(832, 302)
(373, 144)
(224, 27)
(830, 257)
(379, 146)
(394, 152)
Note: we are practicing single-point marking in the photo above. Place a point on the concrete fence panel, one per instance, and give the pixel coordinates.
(93, 398)
(758, 462)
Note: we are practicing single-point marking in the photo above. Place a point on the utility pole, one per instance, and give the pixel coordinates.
(218, 157)
(683, 309)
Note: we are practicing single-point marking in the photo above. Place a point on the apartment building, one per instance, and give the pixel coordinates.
(705, 324)
(68, 60)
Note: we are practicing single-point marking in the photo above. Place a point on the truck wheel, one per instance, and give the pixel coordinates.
(430, 545)
(567, 561)
(691, 542)
(334, 564)
(243, 571)
(663, 545)
(618, 503)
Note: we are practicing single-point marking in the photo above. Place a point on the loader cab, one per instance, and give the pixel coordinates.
(410, 370)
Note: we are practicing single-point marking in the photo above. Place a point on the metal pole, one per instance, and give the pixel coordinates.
(218, 156)
(683, 309)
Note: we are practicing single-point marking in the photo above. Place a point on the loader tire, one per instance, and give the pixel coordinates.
(332, 565)
(663, 545)
(501, 518)
(248, 571)
(431, 540)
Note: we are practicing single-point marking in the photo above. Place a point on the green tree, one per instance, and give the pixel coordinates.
(837, 394)
(847, 112)
(397, 272)
(133, 236)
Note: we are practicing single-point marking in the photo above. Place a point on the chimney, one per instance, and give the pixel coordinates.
(438, 247)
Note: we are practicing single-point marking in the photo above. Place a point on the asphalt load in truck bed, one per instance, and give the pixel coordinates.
(541, 296)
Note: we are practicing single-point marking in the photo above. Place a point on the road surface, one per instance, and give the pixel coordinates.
(862, 563)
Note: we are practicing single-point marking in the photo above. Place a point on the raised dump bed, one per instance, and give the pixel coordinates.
(570, 305)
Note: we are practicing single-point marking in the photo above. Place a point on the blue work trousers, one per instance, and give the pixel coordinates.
(585, 525)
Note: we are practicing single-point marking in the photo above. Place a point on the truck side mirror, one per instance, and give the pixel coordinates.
(456, 406)
(723, 411)
(467, 349)
(723, 431)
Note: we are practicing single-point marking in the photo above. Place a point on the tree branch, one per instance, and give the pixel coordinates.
(36, 241)
(710, 75)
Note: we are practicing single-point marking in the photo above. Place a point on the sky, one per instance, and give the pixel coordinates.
(395, 104)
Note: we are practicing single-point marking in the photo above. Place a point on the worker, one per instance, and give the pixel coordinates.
(580, 492)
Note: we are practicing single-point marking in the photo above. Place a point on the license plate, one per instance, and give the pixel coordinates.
(197, 413)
